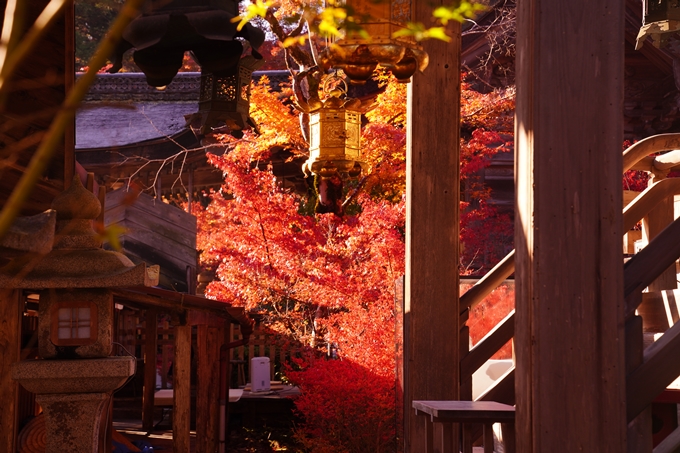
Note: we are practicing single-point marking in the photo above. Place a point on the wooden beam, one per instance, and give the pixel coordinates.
(643, 267)
(658, 218)
(10, 346)
(670, 444)
(488, 346)
(503, 390)
(659, 368)
(431, 309)
(568, 276)
(181, 410)
(649, 145)
(150, 359)
(647, 200)
(489, 282)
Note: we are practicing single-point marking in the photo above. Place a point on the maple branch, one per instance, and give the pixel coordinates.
(488, 107)
(264, 237)
(355, 191)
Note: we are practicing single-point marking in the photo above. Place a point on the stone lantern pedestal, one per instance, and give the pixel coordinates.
(74, 395)
(75, 376)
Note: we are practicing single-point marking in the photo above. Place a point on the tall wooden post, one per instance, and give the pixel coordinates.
(431, 352)
(10, 347)
(181, 411)
(207, 388)
(150, 360)
(569, 320)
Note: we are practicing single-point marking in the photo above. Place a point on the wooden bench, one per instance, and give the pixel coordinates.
(440, 416)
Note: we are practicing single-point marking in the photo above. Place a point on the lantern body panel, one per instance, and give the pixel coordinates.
(225, 96)
(335, 139)
(75, 323)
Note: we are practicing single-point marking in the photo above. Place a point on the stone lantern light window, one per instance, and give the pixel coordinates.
(74, 323)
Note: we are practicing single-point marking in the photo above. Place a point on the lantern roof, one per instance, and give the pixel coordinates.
(162, 34)
(76, 259)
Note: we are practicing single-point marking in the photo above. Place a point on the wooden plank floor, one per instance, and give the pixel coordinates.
(160, 438)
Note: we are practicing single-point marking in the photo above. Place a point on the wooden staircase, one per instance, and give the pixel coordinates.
(649, 370)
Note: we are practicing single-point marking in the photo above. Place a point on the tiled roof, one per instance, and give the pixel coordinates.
(121, 109)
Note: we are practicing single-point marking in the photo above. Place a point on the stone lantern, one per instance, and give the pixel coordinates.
(75, 376)
(661, 18)
(335, 134)
(358, 56)
(167, 29)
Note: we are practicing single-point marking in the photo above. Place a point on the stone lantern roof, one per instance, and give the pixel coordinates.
(76, 259)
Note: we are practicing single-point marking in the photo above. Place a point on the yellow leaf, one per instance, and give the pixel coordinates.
(292, 40)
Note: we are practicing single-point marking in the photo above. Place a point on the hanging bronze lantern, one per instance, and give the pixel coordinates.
(661, 18)
(166, 30)
(335, 133)
(358, 56)
(225, 97)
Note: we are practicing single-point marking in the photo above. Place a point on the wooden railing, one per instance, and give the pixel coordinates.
(658, 365)
(262, 343)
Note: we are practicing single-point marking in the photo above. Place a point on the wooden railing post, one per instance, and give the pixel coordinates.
(181, 410)
(639, 429)
(150, 359)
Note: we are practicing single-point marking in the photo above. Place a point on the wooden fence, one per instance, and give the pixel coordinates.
(130, 334)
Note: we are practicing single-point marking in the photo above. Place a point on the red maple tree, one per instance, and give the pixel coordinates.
(324, 280)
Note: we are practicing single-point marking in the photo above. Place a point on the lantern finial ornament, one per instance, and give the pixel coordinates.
(661, 19)
(358, 56)
(335, 132)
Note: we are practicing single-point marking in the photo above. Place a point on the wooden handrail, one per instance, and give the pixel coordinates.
(503, 390)
(489, 282)
(659, 368)
(488, 346)
(647, 146)
(645, 266)
(647, 200)
(639, 272)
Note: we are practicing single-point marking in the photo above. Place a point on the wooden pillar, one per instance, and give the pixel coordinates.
(207, 389)
(569, 321)
(181, 411)
(10, 347)
(639, 432)
(150, 358)
(431, 352)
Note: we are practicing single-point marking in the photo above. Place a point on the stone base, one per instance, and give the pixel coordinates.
(72, 421)
(74, 395)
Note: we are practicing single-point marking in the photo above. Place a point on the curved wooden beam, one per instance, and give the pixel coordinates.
(647, 146)
(647, 200)
(489, 282)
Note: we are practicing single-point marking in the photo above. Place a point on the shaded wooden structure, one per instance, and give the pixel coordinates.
(156, 233)
(201, 332)
(574, 326)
